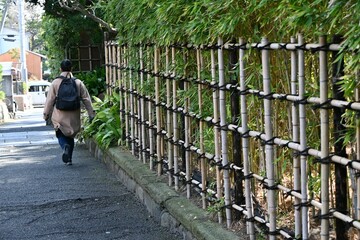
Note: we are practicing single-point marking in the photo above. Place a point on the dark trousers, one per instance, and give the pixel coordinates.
(65, 140)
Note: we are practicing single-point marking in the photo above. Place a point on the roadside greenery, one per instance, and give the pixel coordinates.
(94, 81)
(105, 127)
(71, 29)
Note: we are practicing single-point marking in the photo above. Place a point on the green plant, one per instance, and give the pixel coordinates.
(94, 81)
(105, 128)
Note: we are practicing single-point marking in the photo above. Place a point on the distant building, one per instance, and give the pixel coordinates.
(33, 62)
(10, 38)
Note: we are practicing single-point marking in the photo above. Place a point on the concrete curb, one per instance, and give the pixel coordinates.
(174, 211)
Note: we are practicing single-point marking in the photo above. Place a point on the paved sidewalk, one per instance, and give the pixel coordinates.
(41, 198)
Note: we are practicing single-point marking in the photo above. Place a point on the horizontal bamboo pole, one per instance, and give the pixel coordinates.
(270, 46)
(355, 164)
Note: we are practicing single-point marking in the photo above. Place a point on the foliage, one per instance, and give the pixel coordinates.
(70, 30)
(166, 22)
(94, 81)
(105, 128)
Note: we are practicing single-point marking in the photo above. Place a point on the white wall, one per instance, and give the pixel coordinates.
(13, 40)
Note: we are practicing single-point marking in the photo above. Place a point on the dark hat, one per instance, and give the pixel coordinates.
(66, 65)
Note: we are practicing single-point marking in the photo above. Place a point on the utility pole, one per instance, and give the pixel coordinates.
(24, 76)
(5, 10)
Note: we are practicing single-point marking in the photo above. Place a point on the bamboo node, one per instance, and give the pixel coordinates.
(324, 48)
(301, 47)
(273, 233)
(323, 105)
(304, 152)
(269, 141)
(326, 215)
(325, 160)
(245, 134)
(302, 204)
(350, 163)
(249, 176)
(269, 96)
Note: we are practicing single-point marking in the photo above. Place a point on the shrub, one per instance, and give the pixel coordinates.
(105, 128)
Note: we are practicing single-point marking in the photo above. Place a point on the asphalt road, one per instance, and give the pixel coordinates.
(41, 198)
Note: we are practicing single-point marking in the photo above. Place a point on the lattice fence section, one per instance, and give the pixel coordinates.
(249, 126)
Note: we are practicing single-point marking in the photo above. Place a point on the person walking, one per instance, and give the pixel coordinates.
(67, 123)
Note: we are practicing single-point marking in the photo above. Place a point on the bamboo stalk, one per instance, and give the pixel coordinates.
(187, 132)
(203, 165)
(324, 128)
(113, 66)
(224, 142)
(142, 108)
(157, 109)
(126, 97)
(357, 122)
(107, 67)
(216, 117)
(175, 122)
(269, 150)
(150, 115)
(121, 94)
(110, 68)
(170, 147)
(303, 142)
(131, 104)
(295, 138)
(245, 146)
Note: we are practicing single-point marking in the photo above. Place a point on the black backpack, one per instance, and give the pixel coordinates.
(67, 98)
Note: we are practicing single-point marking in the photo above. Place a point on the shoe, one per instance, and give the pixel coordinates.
(65, 156)
(69, 163)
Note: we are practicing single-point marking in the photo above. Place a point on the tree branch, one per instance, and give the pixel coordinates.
(74, 5)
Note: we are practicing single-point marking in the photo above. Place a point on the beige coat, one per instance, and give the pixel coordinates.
(67, 121)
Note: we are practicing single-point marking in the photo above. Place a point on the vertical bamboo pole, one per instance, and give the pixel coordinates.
(111, 60)
(324, 128)
(245, 145)
(295, 138)
(303, 142)
(113, 65)
(170, 146)
(110, 68)
(357, 122)
(223, 124)
(169, 134)
(126, 95)
(269, 149)
(175, 122)
(187, 132)
(131, 103)
(150, 115)
(217, 157)
(142, 107)
(121, 93)
(107, 65)
(158, 110)
(203, 165)
(139, 133)
(341, 179)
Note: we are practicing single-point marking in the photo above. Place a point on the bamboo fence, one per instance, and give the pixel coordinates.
(175, 117)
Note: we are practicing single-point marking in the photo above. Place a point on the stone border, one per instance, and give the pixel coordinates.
(172, 210)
